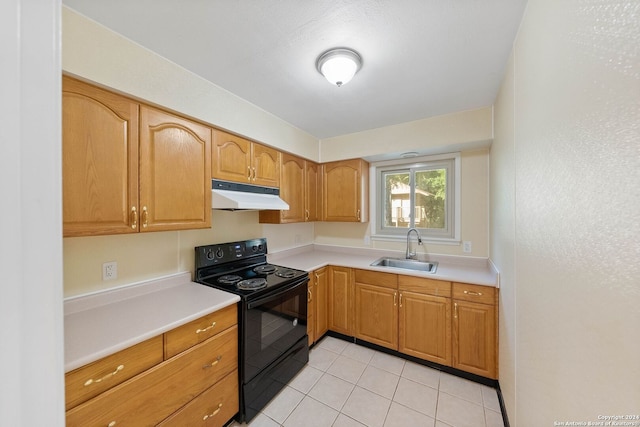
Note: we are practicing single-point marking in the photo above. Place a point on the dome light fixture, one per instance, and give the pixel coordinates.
(339, 65)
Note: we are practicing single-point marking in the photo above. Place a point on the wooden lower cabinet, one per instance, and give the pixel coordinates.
(321, 307)
(213, 408)
(450, 324)
(192, 377)
(318, 308)
(340, 300)
(376, 308)
(474, 330)
(425, 327)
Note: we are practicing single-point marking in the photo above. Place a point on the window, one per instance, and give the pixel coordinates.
(417, 193)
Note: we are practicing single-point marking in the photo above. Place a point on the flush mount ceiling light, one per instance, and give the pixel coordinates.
(339, 65)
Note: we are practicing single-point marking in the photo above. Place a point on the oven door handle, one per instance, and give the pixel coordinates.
(258, 302)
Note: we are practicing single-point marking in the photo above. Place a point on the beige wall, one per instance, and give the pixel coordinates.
(466, 130)
(93, 52)
(565, 167)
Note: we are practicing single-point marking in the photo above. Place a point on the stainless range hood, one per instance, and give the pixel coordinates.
(235, 196)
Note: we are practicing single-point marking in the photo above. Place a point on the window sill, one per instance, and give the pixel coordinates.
(403, 238)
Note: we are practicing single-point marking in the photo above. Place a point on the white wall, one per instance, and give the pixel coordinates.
(566, 213)
(31, 325)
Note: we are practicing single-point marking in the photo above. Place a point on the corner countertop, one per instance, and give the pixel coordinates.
(104, 323)
(475, 270)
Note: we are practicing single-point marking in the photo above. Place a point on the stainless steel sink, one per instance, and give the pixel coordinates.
(407, 264)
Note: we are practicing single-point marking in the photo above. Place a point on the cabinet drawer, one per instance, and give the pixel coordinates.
(212, 408)
(421, 285)
(474, 293)
(158, 392)
(386, 280)
(185, 336)
(90, 380)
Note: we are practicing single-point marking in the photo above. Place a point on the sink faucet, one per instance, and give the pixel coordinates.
(410, 254)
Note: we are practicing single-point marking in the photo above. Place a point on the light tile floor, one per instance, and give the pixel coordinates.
(347, 385)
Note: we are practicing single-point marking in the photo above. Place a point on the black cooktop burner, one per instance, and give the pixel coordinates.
(286, 273)
(229, 279)
(252, 284)
(265, 269)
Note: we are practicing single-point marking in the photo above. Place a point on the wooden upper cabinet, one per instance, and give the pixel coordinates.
(239, 160)
(231, 157)
(292, 191)
(175, 180)
(99, 160)
(345, 186)
(128, 167)
(266, 165)
(313, 191)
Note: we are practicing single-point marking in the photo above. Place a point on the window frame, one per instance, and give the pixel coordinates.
(450, 161)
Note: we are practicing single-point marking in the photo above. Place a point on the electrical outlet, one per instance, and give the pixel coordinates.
(110, 270)
(466, 247)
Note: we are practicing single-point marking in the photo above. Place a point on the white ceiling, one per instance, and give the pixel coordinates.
(421, 58)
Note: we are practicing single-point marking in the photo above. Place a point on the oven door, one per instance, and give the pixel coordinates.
(272, 325)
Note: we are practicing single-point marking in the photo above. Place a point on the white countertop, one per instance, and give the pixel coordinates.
(473, 270)
(104, 323)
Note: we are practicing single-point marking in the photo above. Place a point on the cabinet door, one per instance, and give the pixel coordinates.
(99, 161)
(376, 317)
(341, 300)
(292, 188)
(312, 192)
(266, 166)
(425, 327)
(231, 157)
(175, 172)
(311, 310)
(474, 338)
(343, 191)
(321, 285)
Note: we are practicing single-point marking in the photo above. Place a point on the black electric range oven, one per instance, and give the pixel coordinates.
(272, 316)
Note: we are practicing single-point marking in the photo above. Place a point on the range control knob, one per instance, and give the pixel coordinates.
(219, 253)
(254, 248)
(209, 254)
(260, 247)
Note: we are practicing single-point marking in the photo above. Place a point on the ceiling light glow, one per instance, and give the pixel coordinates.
(339, 65)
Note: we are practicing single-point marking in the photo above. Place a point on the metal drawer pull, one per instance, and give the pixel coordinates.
(205, 329)
(214, 363)
(395, 294)
(310, 298)
(111, 424)
(145, 217)
(477, 294)
(455, 310)
(213, 413)
(134, 218)
(92, 381)
(400, 299)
